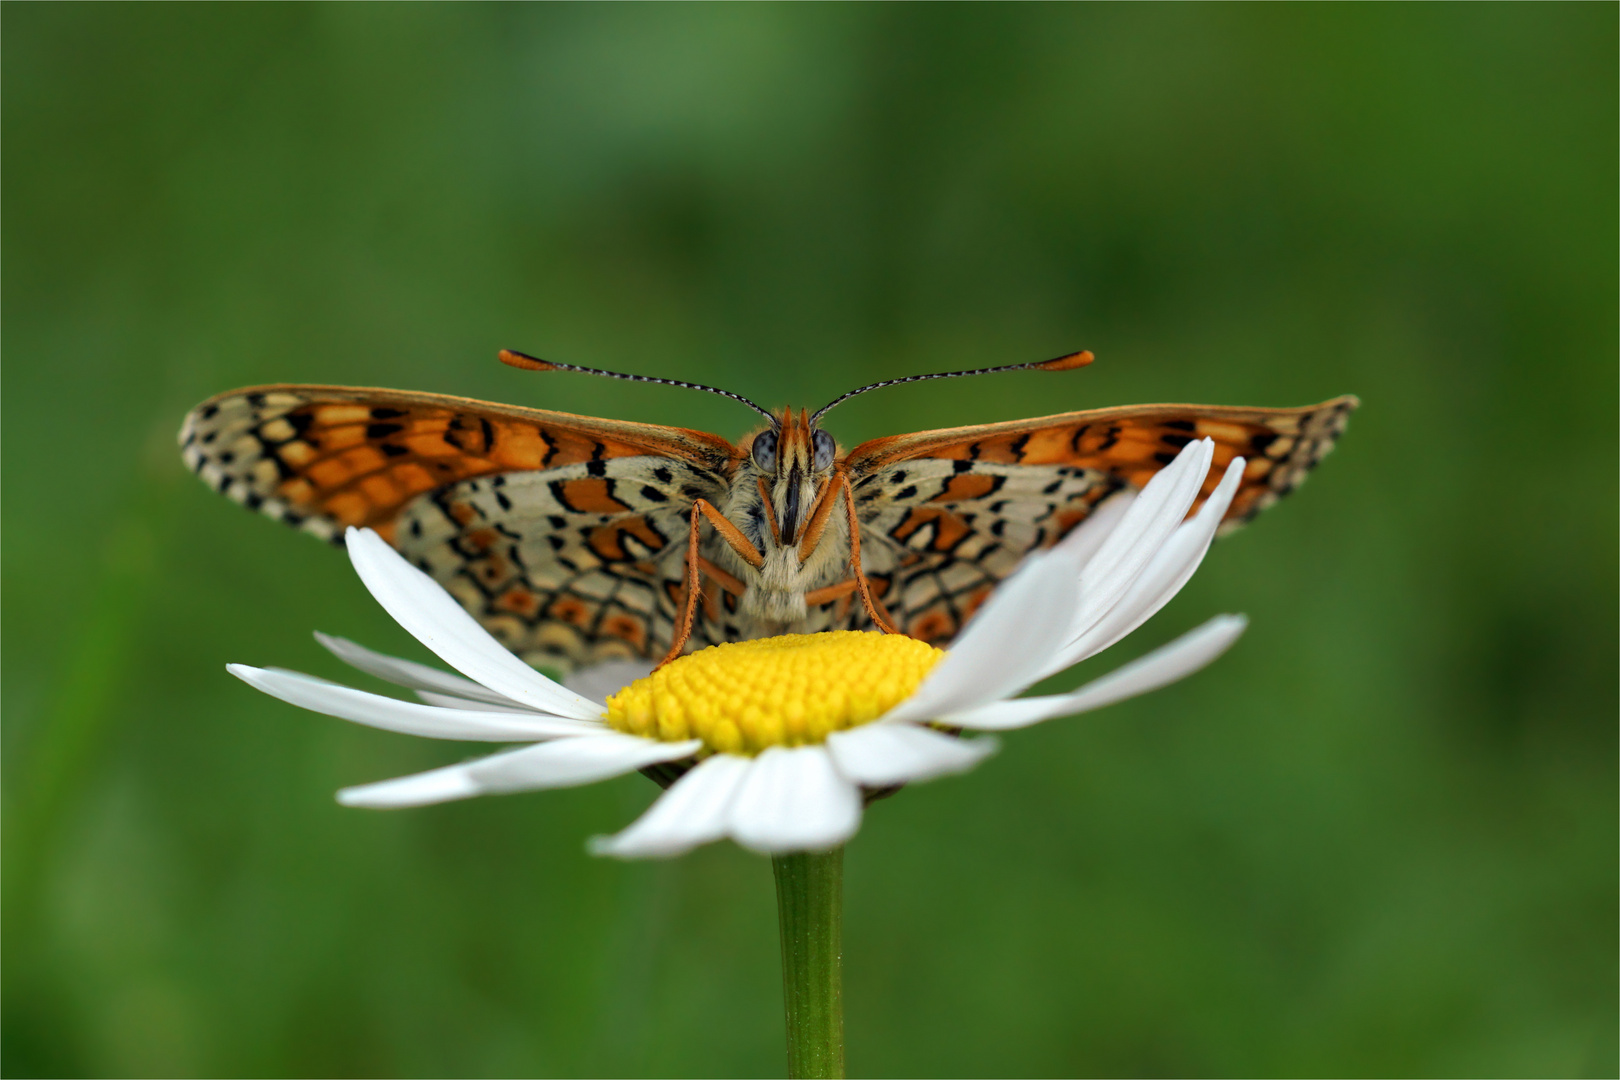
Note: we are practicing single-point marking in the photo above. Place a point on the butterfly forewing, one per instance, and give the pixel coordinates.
(326, 457)
(1281, 445)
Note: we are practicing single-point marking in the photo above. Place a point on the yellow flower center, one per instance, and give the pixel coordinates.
(742, 697)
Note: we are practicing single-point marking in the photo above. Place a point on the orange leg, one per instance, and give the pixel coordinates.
(683, 626)
(696, 564)
(717, 577)
(770, 511)
(874, 606)
(819, 513)
(723, 579)
(729, 533)
(826, 595)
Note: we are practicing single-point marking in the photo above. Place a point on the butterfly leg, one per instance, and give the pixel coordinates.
(721, 578)
(770, 519)
(697, 564)
(819, 513)
(874, 606)
(817, 597)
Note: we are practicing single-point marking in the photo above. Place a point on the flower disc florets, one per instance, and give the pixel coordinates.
(743, 697)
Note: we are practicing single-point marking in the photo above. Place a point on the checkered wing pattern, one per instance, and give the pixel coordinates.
(559, 533)
(947, 514)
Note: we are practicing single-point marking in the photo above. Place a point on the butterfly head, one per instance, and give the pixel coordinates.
(794, 461)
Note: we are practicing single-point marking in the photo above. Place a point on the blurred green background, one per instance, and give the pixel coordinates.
(1378, 838)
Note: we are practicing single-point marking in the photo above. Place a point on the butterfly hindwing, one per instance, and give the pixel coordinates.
(939, 534)
(566, 566)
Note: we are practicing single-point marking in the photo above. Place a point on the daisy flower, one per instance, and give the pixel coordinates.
(780, 738)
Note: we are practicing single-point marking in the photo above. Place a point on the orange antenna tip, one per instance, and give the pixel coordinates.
(1068, 363)
(523, 361)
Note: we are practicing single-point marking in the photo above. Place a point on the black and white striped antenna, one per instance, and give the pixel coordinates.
(531, 363)
(1061, 363)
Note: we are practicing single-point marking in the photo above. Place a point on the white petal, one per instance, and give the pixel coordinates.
(1162, 666)
(1165, 574)
(420, 789)
(564, 763)
(391, 714)
(1146, 525)
(691, 812)
(433, 617)
(452, 701)
(601, 681)
(881, 754)
(407, 673)
(1086, 538)
(1006, 645)
(572, 762)
(794, 800)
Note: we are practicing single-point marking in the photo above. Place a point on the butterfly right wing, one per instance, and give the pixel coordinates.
(561, 534)
(947, 514)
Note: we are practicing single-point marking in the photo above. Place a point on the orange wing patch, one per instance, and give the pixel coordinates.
(322, 458)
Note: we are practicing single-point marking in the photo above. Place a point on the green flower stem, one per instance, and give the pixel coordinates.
(810, 908)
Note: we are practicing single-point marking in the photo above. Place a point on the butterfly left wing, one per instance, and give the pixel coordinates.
(946, 514)
(559, 533)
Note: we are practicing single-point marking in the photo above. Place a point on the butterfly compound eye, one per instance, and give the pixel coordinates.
(825, 449)
(765, 450)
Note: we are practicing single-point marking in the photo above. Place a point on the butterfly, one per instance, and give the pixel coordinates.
(577, 540)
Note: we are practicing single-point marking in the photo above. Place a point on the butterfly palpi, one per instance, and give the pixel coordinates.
(577, 540)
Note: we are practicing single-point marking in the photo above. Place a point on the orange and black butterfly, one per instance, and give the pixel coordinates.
(576, 540)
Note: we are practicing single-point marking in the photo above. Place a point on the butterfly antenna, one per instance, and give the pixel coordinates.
(529, 363)
(1061, 363)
